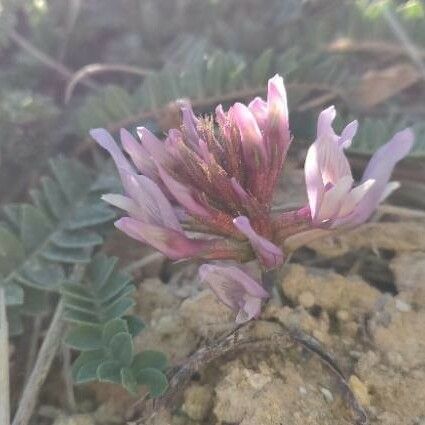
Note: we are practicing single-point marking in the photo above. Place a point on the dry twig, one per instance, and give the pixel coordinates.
(242, 338)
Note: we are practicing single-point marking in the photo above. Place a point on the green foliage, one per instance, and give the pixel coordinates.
(40, 241)
(210, 76)
(95, 309)
(375, 132)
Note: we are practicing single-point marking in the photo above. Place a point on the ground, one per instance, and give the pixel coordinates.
(376, 335)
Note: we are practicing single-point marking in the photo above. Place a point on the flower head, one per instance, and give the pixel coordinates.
(236, 289)
(212, 180)
(333, 200)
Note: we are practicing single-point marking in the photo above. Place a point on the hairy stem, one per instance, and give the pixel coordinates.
(42, 365)
(4, 362)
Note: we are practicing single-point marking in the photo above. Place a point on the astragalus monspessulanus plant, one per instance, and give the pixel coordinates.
(206, 191)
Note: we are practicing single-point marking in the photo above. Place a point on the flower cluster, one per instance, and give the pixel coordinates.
(206, 191)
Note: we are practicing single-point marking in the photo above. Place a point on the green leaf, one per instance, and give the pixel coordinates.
(78, 239)
(135, 325)
(149, 359)
(91, 215)
(85, 366)
(14, 321)
(11, 251)
(35, 227)
(112, 328)
(128, 381)
(118, 309)
(109, 371)
(121, 348)
(35, 302)
(14, 295)
(261, 67)
(41, 274)
(85, 338)
(66, 255)
(155, 380)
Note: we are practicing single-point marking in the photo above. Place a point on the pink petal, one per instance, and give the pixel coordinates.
(138, 154)
(355, 196)
(270, 255)
(258, 107)
(104, 139)
(334, 198)
(251, 310)
(190, 123)
(152, 203)
(124, 203)
(251, 137)
(235, 288)
(153, 145)
(313, 179)
(379, 169)
(222, 121)
(182, 194)
(324, 123)
(348, 134)
(277, 103)
(171, 243)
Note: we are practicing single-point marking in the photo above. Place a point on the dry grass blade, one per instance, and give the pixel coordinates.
(97, 68)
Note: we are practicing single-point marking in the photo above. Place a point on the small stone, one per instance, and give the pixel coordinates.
(306, 299)
(402, 306)
(360, 390)
(198, 402)
(342, 315)
(75, 420)
(394, 359)
(327, 394)
(303, 390)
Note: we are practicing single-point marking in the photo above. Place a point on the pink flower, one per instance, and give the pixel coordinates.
(333, 200)
(210, 181)
(236, 289)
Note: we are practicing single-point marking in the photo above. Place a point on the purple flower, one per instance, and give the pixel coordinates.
(216, 181)
(333, 200)
(236, 289)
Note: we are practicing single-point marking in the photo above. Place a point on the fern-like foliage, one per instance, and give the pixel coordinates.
(375, 132)
(99, 327)
(40, 241)
(219, 74)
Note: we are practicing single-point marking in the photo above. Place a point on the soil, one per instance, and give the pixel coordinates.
(376, 332)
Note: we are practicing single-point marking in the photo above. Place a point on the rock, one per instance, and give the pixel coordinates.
(366, 363)
(331, 291)
(327, 394)
(360, 390)
(306, 299)
(197, 401)
(74, 420)
(252, 397)
(170, 334)
(205, 315)
(400, 237)
(405, 335)
(402, 306)
(409, 272)
(153, 295)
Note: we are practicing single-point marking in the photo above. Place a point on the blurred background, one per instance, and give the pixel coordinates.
(71, 65)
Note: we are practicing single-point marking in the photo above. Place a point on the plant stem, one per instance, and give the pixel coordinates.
(4, 362)
(42, 365)
(67, 377)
